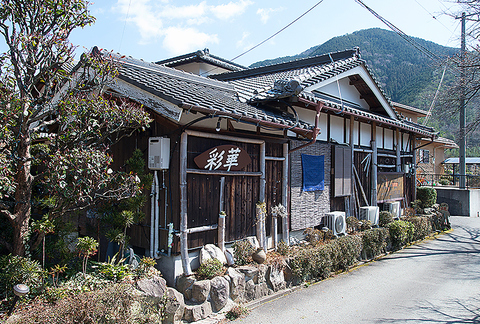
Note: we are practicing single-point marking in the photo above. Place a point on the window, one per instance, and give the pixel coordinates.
(424, 156)
(343, 171)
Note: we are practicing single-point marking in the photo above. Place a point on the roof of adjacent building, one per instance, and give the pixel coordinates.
(468, 160)
(202, 56)
(246, 93)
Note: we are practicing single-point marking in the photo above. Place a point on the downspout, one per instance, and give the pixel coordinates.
(316, 130)
(153, 200)
(157, 217)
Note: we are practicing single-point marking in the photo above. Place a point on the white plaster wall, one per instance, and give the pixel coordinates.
(347, 91)
(379, 137)
(337, 128)
(365, 134)
(389, 139)
(355, 133)
(405, 146)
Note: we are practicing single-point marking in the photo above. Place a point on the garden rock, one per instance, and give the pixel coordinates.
(249, 291)
(174, 307)
(210, 251)
(195, 313)
(275, 278)
(185, 282)
(249, 272)
(200, 290)
(261, 274)
(152, 287)
(219, 292)
(237, 285)
(261, 290)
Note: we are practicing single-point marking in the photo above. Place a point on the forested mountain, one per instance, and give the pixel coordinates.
(406, 74)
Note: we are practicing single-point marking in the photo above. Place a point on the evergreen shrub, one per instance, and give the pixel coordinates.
(427, 196)
(374, 242)
(401, 233)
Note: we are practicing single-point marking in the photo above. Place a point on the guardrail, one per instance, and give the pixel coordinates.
(447, 180)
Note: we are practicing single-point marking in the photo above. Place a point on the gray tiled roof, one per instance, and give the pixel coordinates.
(241, 94)
(190, 90)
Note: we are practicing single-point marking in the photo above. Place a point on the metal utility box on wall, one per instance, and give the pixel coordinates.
(158, 153)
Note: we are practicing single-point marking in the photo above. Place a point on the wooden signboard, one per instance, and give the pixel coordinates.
(390, 186)
(223, 157)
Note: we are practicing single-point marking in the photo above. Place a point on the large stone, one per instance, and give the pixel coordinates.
(261, 290)
(249, 291)
(153, 287)
(219, 292)
(195, 313)
(174, 307)
(185, 282)
(200, 290)
(261, 274)
(275, 278)
(249, 272)
(211, 251)
(237, 285)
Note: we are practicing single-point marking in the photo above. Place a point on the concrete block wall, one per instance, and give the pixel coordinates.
(308, 208)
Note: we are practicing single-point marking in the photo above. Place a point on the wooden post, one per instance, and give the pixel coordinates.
(263, 244)
(274, 231)
(352, 147)
(221, 218)
(373, 198)
(398, 151)
(183, 206)
(285, 184)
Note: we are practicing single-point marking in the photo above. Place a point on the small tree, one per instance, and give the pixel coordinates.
(86, 247)
(54, 115)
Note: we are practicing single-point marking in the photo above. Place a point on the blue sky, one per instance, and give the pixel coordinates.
(153, 30)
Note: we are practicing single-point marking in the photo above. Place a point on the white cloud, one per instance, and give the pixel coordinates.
(265, 13)
(184, 40)
(242, 43)
(231, 9)
(161, 20)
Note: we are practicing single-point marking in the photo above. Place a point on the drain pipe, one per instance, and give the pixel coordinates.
(157, 216)
(153, 199)
(316, 130)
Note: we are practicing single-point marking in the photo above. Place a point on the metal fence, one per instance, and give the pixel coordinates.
(447, 180)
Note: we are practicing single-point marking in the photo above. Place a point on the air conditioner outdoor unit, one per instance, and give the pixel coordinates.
(336, 222)
(369, 213)
(158, 153)
(393, 207)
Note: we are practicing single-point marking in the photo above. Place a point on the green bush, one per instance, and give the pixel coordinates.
(422, 227)
(353, 224)
(427, 196)
(311, 263)
(444, 182)
(384, 218)
(210, 268)
(345, 251)
(242, 251)
(401, 233)
(374, 242)
(19, 270)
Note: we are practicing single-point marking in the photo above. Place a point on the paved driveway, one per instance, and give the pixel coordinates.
(437, 281)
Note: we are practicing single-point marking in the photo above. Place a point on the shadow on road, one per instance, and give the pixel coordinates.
(454, 312)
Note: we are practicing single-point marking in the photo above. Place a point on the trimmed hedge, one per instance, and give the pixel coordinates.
(401, 233)
(422, 227)
(375, 242)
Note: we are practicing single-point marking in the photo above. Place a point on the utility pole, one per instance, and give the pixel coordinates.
(463, 142)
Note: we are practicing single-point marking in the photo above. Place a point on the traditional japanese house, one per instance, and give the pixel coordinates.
(228, 143)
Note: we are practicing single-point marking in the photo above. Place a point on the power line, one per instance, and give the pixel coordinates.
(124, 25)
(269, 38)
(278, 32)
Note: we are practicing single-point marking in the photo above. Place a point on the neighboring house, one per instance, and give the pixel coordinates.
(430, 152)
(316, 135)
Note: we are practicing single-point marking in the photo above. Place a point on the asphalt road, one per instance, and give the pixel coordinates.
(436, 281)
